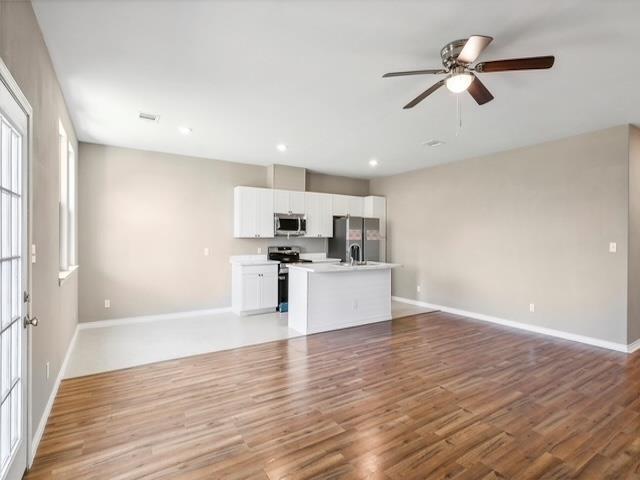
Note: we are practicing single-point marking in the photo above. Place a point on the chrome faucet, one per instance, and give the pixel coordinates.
(354, 250)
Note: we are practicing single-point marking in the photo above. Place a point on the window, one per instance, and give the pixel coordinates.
(67, 209)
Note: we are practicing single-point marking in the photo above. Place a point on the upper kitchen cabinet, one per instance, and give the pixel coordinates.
(253, 212)
(375, 207)
(289, 202)
(319, 214)
(347, 205)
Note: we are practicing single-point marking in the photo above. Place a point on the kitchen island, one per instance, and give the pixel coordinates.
(325, 297)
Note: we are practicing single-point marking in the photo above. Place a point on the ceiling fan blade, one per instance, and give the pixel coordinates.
(479, 92)
(473, 48)
(413, 72)
(531, 63)
(424, 94)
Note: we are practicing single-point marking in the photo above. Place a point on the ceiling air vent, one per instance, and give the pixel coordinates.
(149, 117)
(433, 143)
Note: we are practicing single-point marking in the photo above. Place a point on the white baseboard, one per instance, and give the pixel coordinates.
(632, 347)
(151, 318)
(618, 347)
(37, 436)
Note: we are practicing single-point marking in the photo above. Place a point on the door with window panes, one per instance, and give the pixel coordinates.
(13, 285)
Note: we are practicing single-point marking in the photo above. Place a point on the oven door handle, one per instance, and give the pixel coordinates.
(299, 225)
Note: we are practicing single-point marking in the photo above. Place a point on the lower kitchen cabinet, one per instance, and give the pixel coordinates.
(254, 288)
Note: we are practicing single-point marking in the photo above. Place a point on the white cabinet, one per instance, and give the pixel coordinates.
(356, 206)
(254, 209)
(253, 212)
(348, 205)
(254, 288)
(319, 214)
(289, 202)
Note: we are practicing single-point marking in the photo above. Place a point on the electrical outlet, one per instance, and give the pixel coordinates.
(418, 288)
(48, 369)
(107, 303)
(613, 247)
(206, 251)
(259, 250)
(532, 307)
(33, 253)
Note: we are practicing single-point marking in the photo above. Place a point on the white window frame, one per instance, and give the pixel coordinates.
(67, 206)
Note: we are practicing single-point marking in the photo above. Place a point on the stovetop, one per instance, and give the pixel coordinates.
(286, 255)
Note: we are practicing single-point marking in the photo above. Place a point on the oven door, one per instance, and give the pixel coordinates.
(283, 288)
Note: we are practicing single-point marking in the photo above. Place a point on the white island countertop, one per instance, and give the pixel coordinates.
(341, 267)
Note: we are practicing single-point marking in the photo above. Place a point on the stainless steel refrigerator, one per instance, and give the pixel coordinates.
(348, 231)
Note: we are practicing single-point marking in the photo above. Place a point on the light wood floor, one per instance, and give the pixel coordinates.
(427, 396)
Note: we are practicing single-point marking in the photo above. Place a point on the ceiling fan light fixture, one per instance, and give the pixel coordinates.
(459, 82)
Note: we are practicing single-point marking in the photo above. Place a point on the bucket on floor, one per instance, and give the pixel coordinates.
(284, 307)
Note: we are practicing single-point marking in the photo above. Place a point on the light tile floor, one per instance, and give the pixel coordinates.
(123, 346)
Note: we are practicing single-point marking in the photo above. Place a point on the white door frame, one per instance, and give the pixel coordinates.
(14, 88)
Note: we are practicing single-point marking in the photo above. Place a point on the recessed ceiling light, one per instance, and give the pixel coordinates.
(185, 130)
(150, 117)
(433, 143)
(281, 147)
(373, 162)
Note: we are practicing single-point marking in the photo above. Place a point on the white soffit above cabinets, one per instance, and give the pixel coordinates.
(246, 76)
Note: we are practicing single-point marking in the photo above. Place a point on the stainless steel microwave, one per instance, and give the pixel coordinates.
(290, 225)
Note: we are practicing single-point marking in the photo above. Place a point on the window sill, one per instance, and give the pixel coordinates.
(64, 274)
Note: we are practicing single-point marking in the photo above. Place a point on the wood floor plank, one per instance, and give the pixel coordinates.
(425, 397)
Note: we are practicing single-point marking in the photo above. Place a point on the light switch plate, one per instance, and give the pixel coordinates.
(532, 307)
(613, 247)
(107, 303)
(206, 251)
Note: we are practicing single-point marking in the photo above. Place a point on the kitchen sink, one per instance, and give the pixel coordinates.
(355, 266)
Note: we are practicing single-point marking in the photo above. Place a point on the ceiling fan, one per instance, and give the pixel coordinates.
(457, 58)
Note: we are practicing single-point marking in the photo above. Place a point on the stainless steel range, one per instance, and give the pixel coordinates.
(284, 255)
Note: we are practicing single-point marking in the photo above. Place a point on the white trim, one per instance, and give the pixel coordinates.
(632, 347)
(14, 88)
(151, 318)
(64, 274)
(618, 347)
(37, 436)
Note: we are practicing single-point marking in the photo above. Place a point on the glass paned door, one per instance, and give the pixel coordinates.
(13, 130)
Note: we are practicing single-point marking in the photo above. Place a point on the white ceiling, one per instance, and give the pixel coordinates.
(247, 75)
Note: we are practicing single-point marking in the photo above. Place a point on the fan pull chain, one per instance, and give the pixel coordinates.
(459, 119)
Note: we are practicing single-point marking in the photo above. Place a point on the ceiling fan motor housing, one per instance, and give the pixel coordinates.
(450, 52)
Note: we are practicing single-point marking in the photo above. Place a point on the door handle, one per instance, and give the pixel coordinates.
(33, 321)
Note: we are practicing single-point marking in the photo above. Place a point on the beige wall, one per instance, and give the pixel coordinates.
(144, 221)
(634, 234)
(23, 50)
(319, 182)
(491, 235)
(284, 177)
